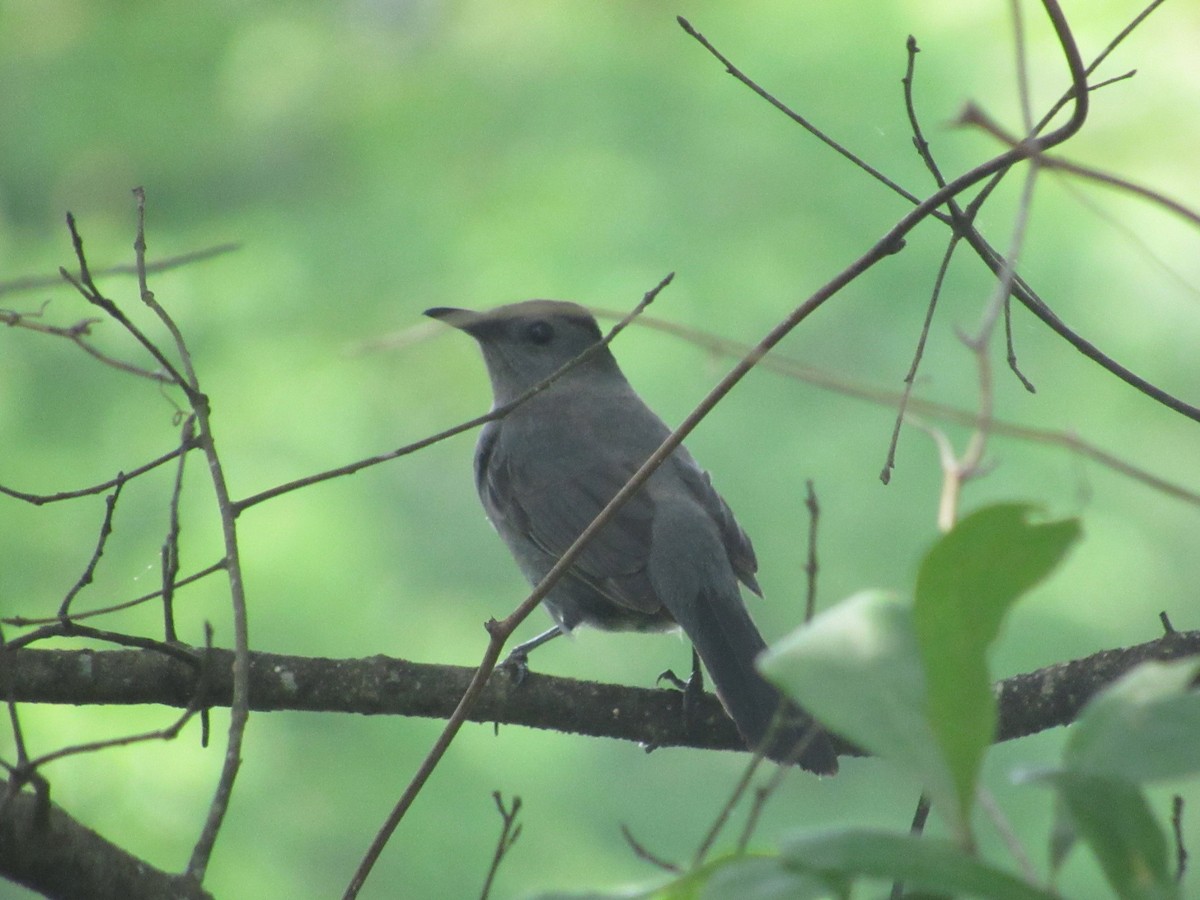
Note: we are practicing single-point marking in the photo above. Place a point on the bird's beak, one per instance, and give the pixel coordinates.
(462, 319)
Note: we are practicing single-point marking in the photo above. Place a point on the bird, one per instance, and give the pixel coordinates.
(673, 554)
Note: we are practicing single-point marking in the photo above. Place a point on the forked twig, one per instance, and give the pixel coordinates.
(510, 830)
(89, 571)
(960, 220)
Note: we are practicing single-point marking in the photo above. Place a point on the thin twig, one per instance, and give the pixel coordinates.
(726, 810)
(89, 571)
(1010, 355)
(1026, 295)
(958, 470)
(510, 830)
(10, 701)
(1008, 835)
(1112, 45)
(926, 154)
(24, 621)
(77, 334)
(792, 114)
(72, 628)
(761, 795)
(88, 290)
(917, 828)
(28, 770)
(147, 295)
(1026, 104)
(972, 115)
(882, 396)
(1181, 854)
(158, 734)
(1022, 64)
(240, 708)
(41, 282)
(498, 633)
(496, 413)
(910, 107)
(1129, 233)
(810, 566)
(948, 464)
(959, 220)
(43, 499)
(189, 384)
(910, 378)
(765, 792)
(170, 547)
(642, 852)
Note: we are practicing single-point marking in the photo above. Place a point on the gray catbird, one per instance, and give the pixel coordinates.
(673, 554)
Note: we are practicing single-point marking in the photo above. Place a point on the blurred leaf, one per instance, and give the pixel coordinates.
(856, 668)
(631, 892)
(733, 878)
(922, 863)
(1063, 836)
(1143, 727)
(1112, 816)
(761, 878)
(966, 584)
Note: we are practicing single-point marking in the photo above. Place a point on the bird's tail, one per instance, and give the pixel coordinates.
(728, 642)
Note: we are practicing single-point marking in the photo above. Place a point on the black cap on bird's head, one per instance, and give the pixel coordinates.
(524, 343)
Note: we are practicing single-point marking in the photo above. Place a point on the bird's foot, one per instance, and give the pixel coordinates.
(516, 664)
(672, 679)
(692, 689)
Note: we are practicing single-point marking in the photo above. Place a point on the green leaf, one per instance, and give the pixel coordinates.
(1113, 818)
(855, 667)
(614, 894)
(966, 584)
(631, 892)
(741, 877)
(1143, 727)
(922, 863)
(762, 878)
(1063, 836)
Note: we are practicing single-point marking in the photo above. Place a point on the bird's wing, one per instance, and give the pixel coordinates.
(737, 543)
(550, 502)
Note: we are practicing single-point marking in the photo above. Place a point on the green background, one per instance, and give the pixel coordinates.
(374, 159)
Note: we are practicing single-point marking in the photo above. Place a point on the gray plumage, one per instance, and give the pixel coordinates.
(672, 555)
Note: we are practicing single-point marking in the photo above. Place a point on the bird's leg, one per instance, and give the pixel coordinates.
(692, 688)
(518, 658)
(672, 679)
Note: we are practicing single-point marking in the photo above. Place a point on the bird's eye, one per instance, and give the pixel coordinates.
(539, 332)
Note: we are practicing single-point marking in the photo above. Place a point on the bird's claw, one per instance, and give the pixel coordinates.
(672, 679)
(692, 689)
(517, 664)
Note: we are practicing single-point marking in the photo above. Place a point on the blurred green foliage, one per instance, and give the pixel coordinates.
(373, 159)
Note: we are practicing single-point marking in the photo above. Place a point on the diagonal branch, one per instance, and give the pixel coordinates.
(45, 849)
(962, 220)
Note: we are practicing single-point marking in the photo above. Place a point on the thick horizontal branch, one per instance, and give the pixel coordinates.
(380, 685)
